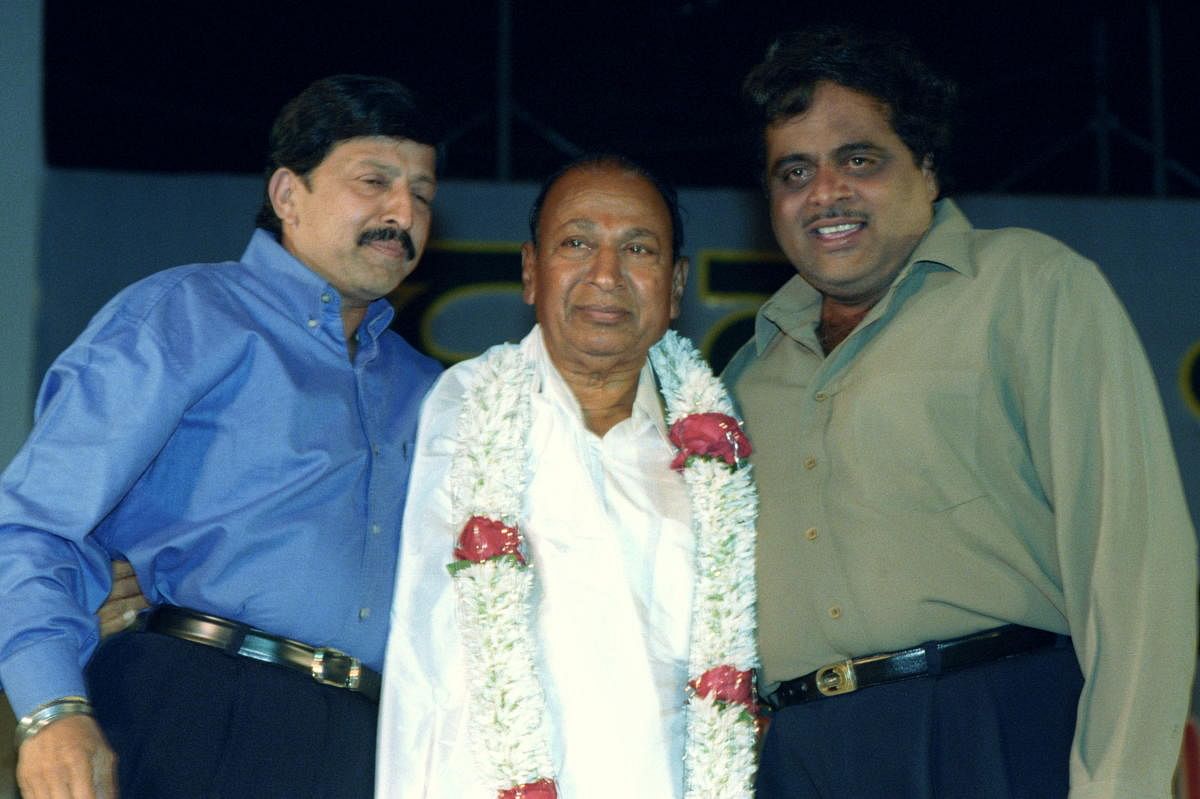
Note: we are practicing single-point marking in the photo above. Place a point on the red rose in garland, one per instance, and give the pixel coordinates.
(727, 684)
(482, 539)
(714, 435)
(542, 789)
(722, 724)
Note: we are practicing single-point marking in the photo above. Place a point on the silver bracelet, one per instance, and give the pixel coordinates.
(42, 715)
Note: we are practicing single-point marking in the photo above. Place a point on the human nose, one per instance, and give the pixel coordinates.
(398, 208)
(828, 187)
(605, 270)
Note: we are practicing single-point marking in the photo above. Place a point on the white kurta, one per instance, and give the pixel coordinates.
(608, 527)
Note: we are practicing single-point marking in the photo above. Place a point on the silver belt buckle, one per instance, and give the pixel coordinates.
(331, 667)
(837, 678)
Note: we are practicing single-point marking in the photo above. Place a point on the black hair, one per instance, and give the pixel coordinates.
(621, 162)
(884, 65)
(335, 109)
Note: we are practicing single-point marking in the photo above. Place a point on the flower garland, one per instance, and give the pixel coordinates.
(722, 725)
(493, 582)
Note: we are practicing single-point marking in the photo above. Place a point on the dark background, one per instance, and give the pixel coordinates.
(186, 86)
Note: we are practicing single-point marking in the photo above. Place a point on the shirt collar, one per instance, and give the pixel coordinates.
(647, 402)
(304, 294)
(795, 309)
(947, 242)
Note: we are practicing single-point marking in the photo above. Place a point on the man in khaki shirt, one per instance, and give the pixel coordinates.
(962, 458)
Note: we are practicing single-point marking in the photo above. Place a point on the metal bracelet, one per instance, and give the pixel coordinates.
(45, 714)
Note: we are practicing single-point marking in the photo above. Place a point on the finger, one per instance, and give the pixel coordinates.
(82, 786)
(68, 780)
(113, 623)
(125, 588)
(117, 608)
(114, 609)
(104, 774)
(60, 761)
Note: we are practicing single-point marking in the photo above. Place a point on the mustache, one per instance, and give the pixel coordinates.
(836, 213)
(390, 234)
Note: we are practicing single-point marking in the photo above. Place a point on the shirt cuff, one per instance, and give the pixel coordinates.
(1120, 789)
(41, 673)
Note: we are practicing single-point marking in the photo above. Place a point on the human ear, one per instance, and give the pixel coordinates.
(281, 190)
(678, 284)
(528, 272)
(931, 181)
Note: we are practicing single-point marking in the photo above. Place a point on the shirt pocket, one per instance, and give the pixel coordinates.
(914, 438)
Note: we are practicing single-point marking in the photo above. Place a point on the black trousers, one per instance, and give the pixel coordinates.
(1001, 730)
(191, 721)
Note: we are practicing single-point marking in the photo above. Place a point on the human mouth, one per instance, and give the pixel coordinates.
(603, 314)
(393, 242)
(836, 228)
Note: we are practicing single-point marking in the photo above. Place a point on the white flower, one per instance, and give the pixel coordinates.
(489, 476)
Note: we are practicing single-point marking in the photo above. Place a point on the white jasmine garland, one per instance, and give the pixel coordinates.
(489, 476)
(491, 465)
(719, 755)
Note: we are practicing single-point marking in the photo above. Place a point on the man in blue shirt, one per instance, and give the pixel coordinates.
(241, 434)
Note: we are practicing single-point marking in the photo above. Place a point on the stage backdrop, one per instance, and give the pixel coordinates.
(101, 231)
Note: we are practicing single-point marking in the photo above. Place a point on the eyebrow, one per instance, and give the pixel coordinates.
(639, 232)
(789, 159)
(858, 147)
(392, 169)
(589, 225)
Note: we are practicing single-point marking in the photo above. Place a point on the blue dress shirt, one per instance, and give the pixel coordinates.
(209, 427)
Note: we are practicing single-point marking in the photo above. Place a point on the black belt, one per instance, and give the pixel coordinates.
(326, 666)
(933, 658)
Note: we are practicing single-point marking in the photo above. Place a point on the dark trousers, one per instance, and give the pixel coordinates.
(191, 721)
(1001, 730)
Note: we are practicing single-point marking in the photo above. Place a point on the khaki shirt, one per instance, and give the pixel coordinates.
(987, 447)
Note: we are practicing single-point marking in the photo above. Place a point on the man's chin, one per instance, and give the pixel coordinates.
(592, 344)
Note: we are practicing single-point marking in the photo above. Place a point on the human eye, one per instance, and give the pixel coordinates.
(373, 182)
(423, 191)
(862, 163)
(640, 248)
(574, 248)
(796, 174)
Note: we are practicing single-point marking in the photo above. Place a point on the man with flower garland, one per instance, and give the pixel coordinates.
(240, 433)
(977, 568)
(554, 653)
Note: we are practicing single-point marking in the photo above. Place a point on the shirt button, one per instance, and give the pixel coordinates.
(377, 450)
(810, 462)
(811, 534)
(363, 613)
(820, 396)
(835, 612)
(326, 297)
(313, 323)
(376, 529)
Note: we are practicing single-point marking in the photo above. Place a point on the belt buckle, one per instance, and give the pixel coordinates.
(331, 667)
(837, 678)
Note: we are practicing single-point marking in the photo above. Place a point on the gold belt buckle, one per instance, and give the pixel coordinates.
(837, 678)
(331, 667)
